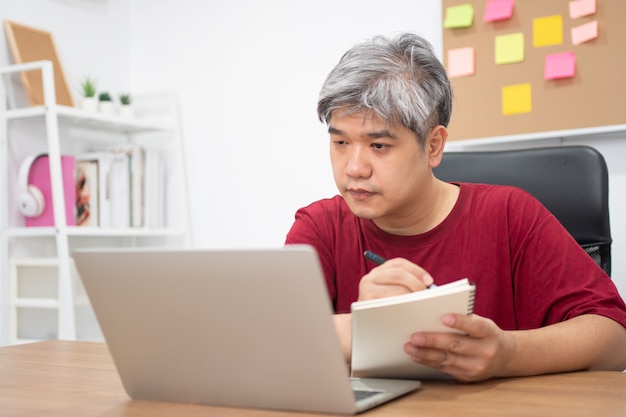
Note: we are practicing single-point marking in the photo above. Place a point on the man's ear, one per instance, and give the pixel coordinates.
(435, 143)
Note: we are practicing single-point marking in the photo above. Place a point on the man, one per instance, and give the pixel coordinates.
(542, 304)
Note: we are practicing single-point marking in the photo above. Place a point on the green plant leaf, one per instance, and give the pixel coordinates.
(89, 87)
(125, 98)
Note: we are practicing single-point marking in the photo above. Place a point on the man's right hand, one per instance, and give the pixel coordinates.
(396, 276)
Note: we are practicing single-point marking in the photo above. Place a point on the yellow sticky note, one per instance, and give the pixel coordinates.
(461, 16)
(509, 48)
(548, 30)
(516, 99)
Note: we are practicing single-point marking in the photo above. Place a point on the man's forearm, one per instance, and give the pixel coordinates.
(584, 342)
(343, 326)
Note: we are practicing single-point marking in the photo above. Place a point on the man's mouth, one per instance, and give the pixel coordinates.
(360, 194)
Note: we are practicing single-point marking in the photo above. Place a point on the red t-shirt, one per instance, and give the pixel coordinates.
(528, 270)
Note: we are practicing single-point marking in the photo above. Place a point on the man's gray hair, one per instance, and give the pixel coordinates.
(400, 80)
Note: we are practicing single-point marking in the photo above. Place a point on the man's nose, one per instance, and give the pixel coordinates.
(358, 164)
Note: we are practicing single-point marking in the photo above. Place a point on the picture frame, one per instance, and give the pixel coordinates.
(28, 44)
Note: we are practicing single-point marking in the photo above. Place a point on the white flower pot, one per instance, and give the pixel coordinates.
(89, 103)
(107, 107)
(125, 110)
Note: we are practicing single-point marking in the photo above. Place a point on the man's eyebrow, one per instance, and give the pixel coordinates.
(334, 131)
(385, 133)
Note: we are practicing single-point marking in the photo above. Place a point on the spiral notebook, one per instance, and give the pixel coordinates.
(381, 327)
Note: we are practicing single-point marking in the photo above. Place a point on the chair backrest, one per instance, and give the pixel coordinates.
(571, 181)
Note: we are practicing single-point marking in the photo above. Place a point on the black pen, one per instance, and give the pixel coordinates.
(379, 260)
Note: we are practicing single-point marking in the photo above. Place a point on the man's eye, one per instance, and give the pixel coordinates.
(379, 145)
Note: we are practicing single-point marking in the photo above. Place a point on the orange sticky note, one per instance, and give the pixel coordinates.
(460, 62)
(561, 65)
(584, 33)
(498, 10)
(516, 99)
(580, 8)
(548, 31)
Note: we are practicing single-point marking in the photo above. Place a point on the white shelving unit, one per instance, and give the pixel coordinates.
(40, 293)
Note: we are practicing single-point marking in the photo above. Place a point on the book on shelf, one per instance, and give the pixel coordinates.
(135, 155)
(119, 189)
(113, 188)
(154, 191)
(381, 327)
(129, 190)
(86, 178)
(137, 160)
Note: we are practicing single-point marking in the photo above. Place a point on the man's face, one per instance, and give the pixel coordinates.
(381, 171)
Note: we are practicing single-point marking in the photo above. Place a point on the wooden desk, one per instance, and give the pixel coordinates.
(65, 379)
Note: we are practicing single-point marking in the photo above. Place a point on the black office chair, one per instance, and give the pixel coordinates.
(571, 181)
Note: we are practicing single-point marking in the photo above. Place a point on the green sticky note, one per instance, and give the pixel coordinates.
(548, 31)
(461, 16)
(509, 48)
(516, 99)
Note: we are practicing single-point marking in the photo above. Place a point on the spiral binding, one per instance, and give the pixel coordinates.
(472, 299)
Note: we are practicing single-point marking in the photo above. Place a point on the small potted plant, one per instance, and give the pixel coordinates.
(88, 100)
(106, 103)
(126, 109)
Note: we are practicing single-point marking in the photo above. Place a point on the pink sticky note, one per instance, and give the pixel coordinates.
(584, 33)
(498, 10)
(562, 65)
(460, 62)
(580, 8)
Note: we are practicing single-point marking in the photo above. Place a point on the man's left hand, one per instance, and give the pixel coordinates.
(480, 352)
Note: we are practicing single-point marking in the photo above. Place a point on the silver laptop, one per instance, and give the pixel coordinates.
(241, 328)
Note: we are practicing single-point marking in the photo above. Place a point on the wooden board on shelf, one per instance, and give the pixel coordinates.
(29, 44)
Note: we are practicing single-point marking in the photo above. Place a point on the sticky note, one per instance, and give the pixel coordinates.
(562, 65)
(509, 48)
(584, 33)
(516, 99)
(461, 16)
(498, 10)
(548, 31)
(580, 8)
(460, 62)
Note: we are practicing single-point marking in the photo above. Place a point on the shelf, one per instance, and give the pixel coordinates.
(73, 231)
(614, 131)
(41, 295)
(36, 303)
(80, 118)
(25, 341)
(41, 262)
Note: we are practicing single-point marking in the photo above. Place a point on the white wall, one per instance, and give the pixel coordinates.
(248, 74)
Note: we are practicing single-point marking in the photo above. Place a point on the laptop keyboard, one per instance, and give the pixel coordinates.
(361, 394)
